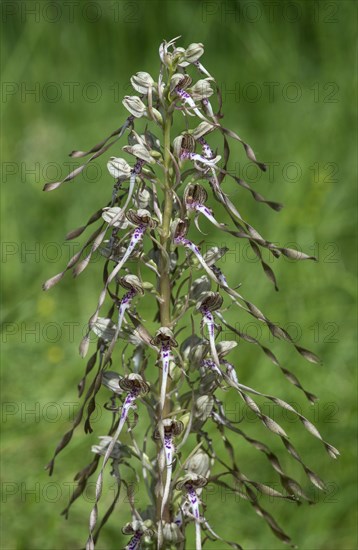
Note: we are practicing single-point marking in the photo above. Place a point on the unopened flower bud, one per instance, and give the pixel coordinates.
(104, 328)
(119, 450)
(198, 464)
(118, 168)
(134, 105)
(203, 407)
(194, 52)
(139, 151)
(157, 116)
(172, 533)
(111, 380)
(201, 90)
(143, 199)
(141, 82)
(200, 285)
(114, 213)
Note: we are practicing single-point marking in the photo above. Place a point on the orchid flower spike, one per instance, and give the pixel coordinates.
(163, 295)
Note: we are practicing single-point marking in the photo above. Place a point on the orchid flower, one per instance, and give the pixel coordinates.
(181, 83)
(211, 365)
(136, 170)
(194, 198)
(180, 228)
(209, 303)
(138, 529)
(166, 431)
(143, 220)
(135, 287)
(135, 386)
(189, 484)
(165, 340)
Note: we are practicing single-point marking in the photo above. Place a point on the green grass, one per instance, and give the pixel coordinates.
(41, 367)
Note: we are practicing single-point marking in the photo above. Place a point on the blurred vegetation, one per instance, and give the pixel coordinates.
(285, 73)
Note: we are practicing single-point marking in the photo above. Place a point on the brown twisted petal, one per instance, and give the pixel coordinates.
(132, 282)
(134, 382)
(210, 301)
(164, 335)
(171, 427)
(191, 479)
(179, 229)
(195, 193)
(140, 217)
(188, 143)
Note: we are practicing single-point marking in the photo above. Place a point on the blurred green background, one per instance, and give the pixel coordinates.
(285, 70)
